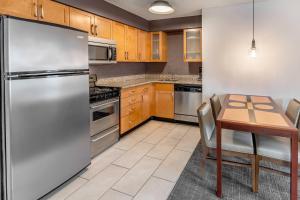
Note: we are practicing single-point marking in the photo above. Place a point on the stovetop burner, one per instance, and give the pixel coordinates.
(98, 94)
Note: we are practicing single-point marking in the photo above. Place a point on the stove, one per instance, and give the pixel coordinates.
(98, 94)
(104, 115)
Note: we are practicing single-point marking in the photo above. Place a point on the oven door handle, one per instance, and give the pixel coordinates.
(103, 105)
(110, 132)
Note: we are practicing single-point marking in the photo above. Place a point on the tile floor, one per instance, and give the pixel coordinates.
(144, 165)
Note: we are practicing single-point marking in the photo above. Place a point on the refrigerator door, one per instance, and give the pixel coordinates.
(34, 46)
(47, 133)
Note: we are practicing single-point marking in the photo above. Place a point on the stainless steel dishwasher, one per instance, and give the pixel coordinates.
(187, 99)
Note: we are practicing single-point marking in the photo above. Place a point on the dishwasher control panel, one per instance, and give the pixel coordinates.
(188, 88)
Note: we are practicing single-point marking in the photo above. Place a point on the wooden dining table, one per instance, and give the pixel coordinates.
(259, 115)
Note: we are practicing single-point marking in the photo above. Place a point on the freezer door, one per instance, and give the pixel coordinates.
(47, 133)
(33, 46)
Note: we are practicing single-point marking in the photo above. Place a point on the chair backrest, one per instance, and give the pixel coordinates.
(216, 106)
(293, 112)
(206, 122)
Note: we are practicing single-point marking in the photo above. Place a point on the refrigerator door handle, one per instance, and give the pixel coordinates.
(44, 74)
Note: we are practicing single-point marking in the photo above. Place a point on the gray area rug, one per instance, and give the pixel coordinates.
(191, 185)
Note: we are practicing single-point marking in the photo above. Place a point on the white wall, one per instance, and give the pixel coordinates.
(227, 35)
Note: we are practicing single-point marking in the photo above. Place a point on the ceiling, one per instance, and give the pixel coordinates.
(183, 8)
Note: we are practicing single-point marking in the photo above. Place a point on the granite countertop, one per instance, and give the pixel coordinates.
(132, 81)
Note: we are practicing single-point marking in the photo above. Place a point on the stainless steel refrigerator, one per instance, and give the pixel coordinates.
(44, 107)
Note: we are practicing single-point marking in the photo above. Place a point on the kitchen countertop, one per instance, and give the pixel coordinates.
(137, 81)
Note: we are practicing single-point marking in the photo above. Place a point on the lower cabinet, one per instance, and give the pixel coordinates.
(164, 100)
(147, 102)
(140, 103)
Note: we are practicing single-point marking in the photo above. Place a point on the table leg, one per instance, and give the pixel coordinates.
(294, 166)
(219, 160)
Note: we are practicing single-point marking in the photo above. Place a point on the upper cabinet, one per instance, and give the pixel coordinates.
(43, 10)
(159, 47)
(118, 34)
(82, 20)
(131, 43)
(103, 27)
(126, 38)
(25, 9)
(50, 11)
(96, 26)
(144, 46)
(192, 44)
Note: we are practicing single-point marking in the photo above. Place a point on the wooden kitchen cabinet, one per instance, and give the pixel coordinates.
(27, 9)
(103, 27)
(82, 20)
(147, 101)
(126, 38)
(136, 106)
(192, 45)
(43, 10)
(118, 35)
(131, 43)
(159, 47)
(144, 46)
(164, 100)
(53, 12)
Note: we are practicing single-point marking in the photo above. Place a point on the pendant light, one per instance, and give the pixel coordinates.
(161, 7)
(253, 44)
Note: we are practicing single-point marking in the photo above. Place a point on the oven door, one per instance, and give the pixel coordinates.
(104, 116)
(99, 53)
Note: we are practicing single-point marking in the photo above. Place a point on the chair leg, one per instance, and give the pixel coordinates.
(203, 161)
(255, 168)
(256, 173)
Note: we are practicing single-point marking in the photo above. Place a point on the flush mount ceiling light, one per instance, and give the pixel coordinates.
(161, 7)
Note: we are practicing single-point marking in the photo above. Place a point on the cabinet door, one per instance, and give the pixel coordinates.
(159, 47)
(103, 27)
(143, 46)
(126, 124)
(164, 100)
(82, 20)
(131, 43)
(50, 11)
(155, 46)
(25, 9)
(147, 102)
(164, 47)
(119, 37)
(192, 45)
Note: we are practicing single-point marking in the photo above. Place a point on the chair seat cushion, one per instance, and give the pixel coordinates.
(274, 147)
(236, 141)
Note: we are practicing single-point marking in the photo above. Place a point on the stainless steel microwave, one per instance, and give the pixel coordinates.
(102, 51)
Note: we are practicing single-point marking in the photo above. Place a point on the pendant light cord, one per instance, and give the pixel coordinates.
(253, 20)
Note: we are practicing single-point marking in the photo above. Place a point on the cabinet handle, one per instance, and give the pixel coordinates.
(92, 29)
(96, 29)
(42, 11)
(35, 9)
(125, 55)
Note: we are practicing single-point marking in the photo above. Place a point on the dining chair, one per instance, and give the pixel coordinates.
(216, 106)
(277, 149)
(234, 143)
